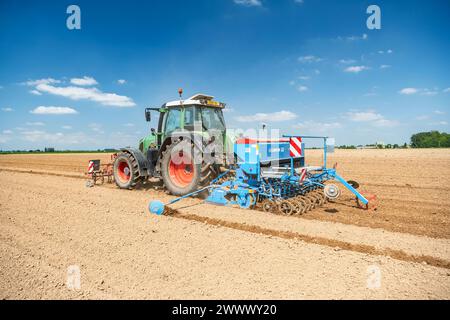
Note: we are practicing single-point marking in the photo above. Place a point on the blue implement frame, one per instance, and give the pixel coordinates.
(331, 172)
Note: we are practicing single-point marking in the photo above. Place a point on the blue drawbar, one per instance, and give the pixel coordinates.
(156, 207)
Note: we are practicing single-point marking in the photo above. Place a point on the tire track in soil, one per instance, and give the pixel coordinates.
(46, 173)
(360, 248)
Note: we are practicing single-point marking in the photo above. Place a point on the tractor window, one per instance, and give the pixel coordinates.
(173, 121)
(212, 118)
(189, 113)
(192, 118)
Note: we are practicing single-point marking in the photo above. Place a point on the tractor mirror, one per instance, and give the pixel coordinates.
(148, 116)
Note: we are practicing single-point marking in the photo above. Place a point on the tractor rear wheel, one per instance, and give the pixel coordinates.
(180, 174)
(126, 171)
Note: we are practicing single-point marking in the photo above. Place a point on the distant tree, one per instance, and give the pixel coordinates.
(347, 147)
(432, 139)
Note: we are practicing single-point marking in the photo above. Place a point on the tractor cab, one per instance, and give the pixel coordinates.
(199, 114)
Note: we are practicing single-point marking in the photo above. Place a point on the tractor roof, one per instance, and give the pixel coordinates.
(197, 99)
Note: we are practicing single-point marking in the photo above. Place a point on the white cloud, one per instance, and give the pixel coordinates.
(364, 36)
(96, 127)
(371, 117)
(55, 138)
(356, 69)
(53, 110)
(33, 83)
(390, 51)
(446, 90)
(85, 81)
(227, 110)
(364, 116)
(409, 91)
(428, 92)
(385, 123)
(93, 94)
(423, 92)
(268, 117)
(299, 1)
(128, 125)
(317, 126)
(302, 88)
(4, 138)
(7, 132)
(385, 66)
(37, 123)
(423, 117)
(121, 81)
(7, 109)
(347, 61)
(439, 123)
(248, 3)
(309, 59)
(66, 127)
(35, 92)
(62, 140)
(79, 93)
(439, 112)
(304, 77)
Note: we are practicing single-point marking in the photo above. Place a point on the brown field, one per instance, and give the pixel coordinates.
(50, 220)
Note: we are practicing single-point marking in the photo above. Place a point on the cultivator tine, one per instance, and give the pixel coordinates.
(307, 202)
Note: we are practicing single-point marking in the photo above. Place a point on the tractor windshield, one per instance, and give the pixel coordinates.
(208, 118)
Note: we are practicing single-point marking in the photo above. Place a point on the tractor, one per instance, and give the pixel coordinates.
(186, 151)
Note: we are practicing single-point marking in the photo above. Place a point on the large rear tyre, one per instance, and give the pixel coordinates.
(126, 171)
(180, 174)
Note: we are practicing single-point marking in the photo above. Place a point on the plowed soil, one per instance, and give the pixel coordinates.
(50, 220)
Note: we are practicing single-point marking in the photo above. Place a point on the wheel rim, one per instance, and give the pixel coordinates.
(123, 172)
(181, 174)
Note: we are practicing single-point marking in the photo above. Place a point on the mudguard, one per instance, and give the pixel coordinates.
(195, 138)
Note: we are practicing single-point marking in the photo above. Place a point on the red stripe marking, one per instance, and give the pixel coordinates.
(297, 148)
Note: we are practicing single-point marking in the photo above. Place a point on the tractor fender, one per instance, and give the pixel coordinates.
(141, 159)
(195, 138)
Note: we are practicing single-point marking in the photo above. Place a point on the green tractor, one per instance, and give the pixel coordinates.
(187, 150)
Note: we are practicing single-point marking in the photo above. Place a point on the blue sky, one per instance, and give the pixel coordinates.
(305, 67)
